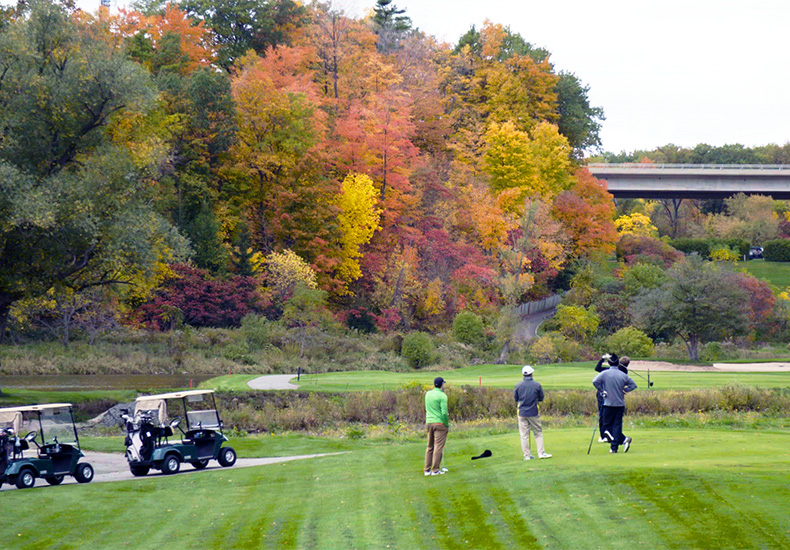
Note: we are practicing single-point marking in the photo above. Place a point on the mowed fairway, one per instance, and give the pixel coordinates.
(679, 489)
(556, 376)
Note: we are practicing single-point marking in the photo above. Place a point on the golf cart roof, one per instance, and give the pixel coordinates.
(174, 395)
(35, 408)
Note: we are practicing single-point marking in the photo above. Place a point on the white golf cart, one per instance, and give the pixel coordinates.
(148, 433)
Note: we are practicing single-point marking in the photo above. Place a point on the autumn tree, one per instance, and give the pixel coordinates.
(586, 211)
(170, 41)
(75, 210)
(284, 271)
(271, 173)
(537, 242)
(358, 220)
(536, 165)
(635, 223)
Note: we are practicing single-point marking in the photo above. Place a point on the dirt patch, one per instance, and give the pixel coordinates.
(716, 367)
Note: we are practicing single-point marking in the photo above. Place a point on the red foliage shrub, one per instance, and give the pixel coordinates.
(634, 249)
(202, 301)
(388, 320)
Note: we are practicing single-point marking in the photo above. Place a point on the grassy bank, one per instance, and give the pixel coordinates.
(675, 489)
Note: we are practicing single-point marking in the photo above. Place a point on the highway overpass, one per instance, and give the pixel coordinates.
(694, 181)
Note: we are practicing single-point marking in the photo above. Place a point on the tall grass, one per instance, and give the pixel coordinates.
(298, 411)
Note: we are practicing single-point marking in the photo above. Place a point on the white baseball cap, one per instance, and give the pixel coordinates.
(526, 369)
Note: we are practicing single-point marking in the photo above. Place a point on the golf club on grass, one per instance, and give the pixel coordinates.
(484, 454)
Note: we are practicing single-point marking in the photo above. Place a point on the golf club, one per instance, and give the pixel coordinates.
(595, 427)
(484, 454)
(649, 382)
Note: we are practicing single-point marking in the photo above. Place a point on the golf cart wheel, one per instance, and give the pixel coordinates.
(227, 457)
(83, 473)
(54, 480)
(139, 471)
(171, 464)
(26, 479)
(199, 464)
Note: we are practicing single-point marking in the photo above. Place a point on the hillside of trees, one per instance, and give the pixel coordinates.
(202, 163)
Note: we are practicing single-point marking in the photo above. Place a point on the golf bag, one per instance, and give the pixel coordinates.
(141, 437)
(6, 449)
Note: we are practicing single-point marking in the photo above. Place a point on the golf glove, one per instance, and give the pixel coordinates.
(603, 394)
(606, 356)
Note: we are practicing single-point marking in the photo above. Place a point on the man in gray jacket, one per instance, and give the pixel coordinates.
(528, 394)
(613, 384)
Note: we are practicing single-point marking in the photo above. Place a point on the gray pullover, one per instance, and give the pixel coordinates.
(528, 394)
(616, 384)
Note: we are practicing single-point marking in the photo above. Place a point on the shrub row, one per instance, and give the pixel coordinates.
(777, 250)
(704, 247)
(299, 411)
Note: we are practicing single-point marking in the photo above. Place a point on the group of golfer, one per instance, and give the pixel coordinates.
(611, 384)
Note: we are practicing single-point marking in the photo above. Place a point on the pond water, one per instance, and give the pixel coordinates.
(77, 382)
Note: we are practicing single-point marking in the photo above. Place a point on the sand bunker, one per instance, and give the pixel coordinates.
(716, 367)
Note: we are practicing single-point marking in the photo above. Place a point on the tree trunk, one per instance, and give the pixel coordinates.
(6, 301)
(692, 345)
(503, 354)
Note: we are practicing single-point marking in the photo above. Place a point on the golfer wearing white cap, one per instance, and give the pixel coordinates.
(528, 394)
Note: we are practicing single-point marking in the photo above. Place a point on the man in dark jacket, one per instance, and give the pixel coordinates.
(612, 361)
(528, 394)
(613, 384)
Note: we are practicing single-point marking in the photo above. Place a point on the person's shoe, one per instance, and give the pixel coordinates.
(544, 455)
(603, 440)
(627, 444)
(427, 473)
(437, 473)
(613, 451)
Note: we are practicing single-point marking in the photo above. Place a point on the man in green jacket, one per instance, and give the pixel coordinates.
(437, 422)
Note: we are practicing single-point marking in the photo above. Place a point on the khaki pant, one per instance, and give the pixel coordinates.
(526, 423)
(437, 437)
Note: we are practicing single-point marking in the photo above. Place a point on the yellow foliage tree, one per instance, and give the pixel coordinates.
(434, 303)
(635, 224)
(284, 271)
(358, 220)
(536, 164)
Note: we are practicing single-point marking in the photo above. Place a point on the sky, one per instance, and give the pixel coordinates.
(677, 71)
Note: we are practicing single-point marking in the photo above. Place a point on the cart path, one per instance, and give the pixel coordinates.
(113, 467)
(273, 382)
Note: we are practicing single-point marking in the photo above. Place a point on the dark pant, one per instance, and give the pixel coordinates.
(600, 413)
(613, 423)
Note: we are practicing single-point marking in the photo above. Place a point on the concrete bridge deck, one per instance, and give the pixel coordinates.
(699, 181)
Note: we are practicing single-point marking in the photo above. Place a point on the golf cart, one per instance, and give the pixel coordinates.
(148, 433)
(57, 455)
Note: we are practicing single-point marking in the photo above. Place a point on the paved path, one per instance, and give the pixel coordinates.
(528, 326)
(113, 467)
(273, 382)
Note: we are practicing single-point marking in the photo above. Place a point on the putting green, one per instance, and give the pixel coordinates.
(683, 489)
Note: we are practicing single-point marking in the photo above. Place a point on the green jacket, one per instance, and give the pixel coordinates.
(436, 407)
